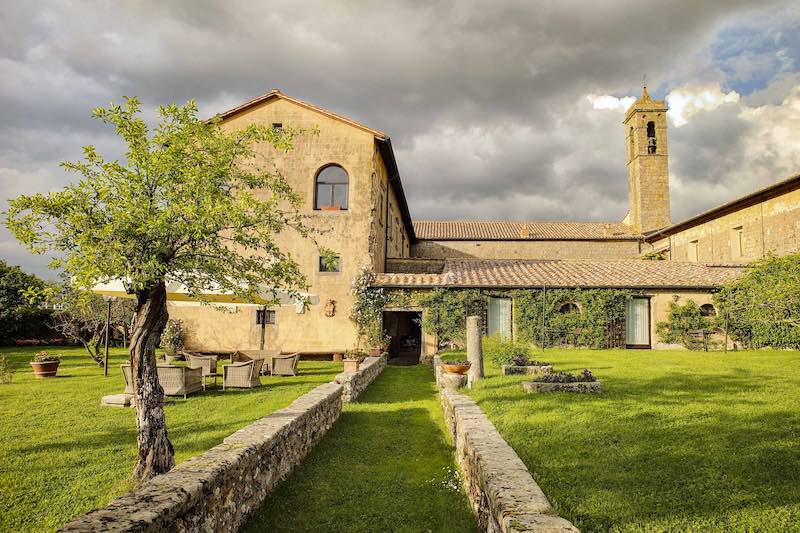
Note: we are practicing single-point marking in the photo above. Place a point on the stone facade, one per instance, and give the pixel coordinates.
(530, 249)
(354, 383)
(363, 235)
(502, 493)
(770, 223)
(219, 489)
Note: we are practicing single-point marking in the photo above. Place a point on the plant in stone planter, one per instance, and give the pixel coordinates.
(45, 364)
(455, 367)
(585, 376)
(522, 360)
(172, 339)
(352, 360)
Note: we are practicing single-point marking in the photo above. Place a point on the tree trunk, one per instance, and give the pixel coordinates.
(155, 454)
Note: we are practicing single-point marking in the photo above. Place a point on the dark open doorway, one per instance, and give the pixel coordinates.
(405, 329)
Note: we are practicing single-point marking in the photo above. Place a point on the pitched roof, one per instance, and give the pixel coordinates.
(492, 230)
(518, 273)
(275, 93)
(776, 189)
(382, 140)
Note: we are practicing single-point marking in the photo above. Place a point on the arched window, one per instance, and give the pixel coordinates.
(651, 137)
(707, 310)
(331, 188)
(569, 307)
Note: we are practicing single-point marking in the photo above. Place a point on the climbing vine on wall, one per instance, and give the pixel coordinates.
(446, 312)
(367, 310)
(593, 318)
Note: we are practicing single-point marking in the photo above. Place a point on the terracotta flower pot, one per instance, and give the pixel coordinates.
(337, 358)
(351, 365)
(375, 352)
(449, 368)
(334, 207)
(47, 369)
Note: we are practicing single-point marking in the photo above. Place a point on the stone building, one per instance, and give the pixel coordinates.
(348, 177)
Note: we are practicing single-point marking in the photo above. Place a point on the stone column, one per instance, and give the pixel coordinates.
(474, 348)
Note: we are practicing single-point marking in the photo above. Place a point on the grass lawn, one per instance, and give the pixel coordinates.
(63, 454)
(386, 465)
(679, 441)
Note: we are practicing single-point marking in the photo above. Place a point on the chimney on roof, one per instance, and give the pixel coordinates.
(607, 230)
(525, 231)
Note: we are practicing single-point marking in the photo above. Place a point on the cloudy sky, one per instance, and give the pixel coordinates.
(512, 111)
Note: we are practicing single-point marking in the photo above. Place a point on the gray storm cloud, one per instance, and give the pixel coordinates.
(487, 108)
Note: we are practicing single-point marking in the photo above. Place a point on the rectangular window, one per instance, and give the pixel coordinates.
(335, 266)
(265, 316)
(737, 242)
(277, 126)
(693, 251)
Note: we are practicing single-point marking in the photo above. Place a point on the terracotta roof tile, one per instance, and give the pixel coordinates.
(521, 230)
(557, 273)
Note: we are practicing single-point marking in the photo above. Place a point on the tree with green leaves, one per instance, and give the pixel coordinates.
(762, 307)
(192, 203)
(18, 315)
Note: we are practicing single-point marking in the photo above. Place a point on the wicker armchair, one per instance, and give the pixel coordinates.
(207, 362)
(285, 365)
(252, 355)
(175, 380)
(244, 374)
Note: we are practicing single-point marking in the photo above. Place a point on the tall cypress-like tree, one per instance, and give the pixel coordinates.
(192, 203)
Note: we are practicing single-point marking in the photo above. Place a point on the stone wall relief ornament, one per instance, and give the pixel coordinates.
(330, 308)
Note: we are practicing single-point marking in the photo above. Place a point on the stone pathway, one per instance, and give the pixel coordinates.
(385, 466)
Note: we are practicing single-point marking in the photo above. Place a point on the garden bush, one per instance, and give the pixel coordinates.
(681, 320)
(504, 352)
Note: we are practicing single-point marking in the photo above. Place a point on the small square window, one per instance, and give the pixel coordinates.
(265, 316)
(277, 126)
(334, 266)
(693, 251)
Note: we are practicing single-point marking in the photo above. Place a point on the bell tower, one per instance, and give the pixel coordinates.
(648, 174)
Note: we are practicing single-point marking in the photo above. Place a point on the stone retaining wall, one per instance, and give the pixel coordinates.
(354, 383)
(503, 494)
(220, 489)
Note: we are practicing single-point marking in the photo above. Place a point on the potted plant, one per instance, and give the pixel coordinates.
(172, 340)
(352, 360)
(455, 367)
(45, 364)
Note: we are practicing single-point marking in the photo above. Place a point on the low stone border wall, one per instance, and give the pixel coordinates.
(354, 383)
(220, 489)
(529, 370)
(503, 494)
(585, 387)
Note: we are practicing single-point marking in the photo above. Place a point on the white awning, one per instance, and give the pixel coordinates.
(179, 294)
